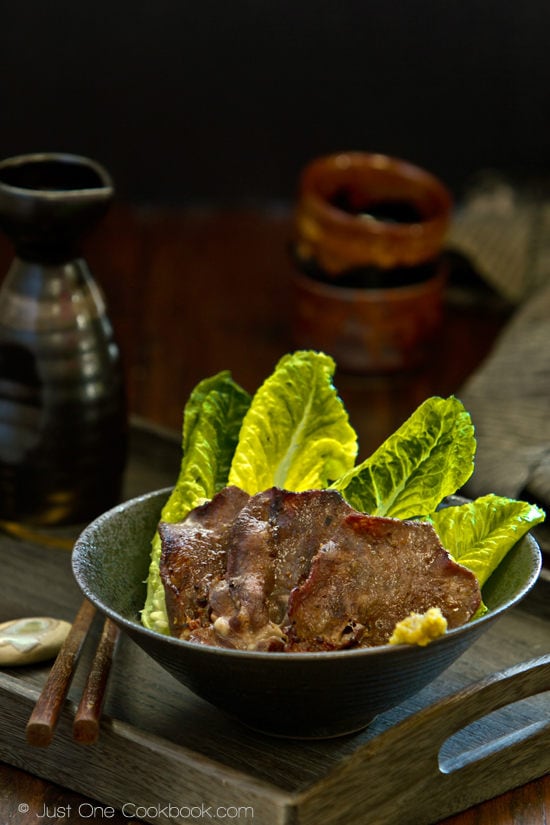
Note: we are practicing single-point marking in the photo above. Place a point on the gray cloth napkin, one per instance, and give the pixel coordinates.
(505, 233)
(508, 398)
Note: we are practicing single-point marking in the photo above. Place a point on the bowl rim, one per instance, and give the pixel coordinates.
(135, 627)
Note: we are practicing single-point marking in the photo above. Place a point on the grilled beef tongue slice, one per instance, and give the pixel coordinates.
(194, 557)
(369, 575)
(303, 571)
(270, 548)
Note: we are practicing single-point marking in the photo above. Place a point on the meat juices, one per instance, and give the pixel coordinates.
(303, 571)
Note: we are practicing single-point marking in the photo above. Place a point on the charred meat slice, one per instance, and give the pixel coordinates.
(270, 548)
(303, 571)
(194, 557)
(303, 522)
(371, 574)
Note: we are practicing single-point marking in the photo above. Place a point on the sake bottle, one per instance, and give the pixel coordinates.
(62, 396)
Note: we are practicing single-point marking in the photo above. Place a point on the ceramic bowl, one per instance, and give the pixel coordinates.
(302, 695)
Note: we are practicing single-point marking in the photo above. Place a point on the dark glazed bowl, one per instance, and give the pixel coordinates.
(300, 695)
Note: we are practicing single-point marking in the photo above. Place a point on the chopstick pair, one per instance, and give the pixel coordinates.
(43, 719)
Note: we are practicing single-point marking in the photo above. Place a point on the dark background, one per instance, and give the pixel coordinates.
(224, 100)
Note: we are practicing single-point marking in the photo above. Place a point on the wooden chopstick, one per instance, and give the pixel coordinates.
(88, 714)
(43, 719)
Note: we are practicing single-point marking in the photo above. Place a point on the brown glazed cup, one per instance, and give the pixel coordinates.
(368, 234)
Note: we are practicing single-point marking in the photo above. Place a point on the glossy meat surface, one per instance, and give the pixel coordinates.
(371, 574)
(194, 557)
(303, 571)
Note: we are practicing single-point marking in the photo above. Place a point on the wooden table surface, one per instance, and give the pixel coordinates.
(194, 291)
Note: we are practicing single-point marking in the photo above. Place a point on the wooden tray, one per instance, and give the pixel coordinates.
(168, 756)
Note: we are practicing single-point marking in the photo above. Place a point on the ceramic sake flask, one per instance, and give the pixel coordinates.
(62, 395)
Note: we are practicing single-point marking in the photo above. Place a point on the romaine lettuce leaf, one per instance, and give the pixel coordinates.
(479, 533)
(296, 433)
(428, 458)
(212, 420)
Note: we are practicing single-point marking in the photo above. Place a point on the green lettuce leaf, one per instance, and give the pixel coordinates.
(480, 533)
(296, 433)
(212, 420)
(428, 458)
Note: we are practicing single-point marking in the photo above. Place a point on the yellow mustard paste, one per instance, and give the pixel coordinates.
(419, 628)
